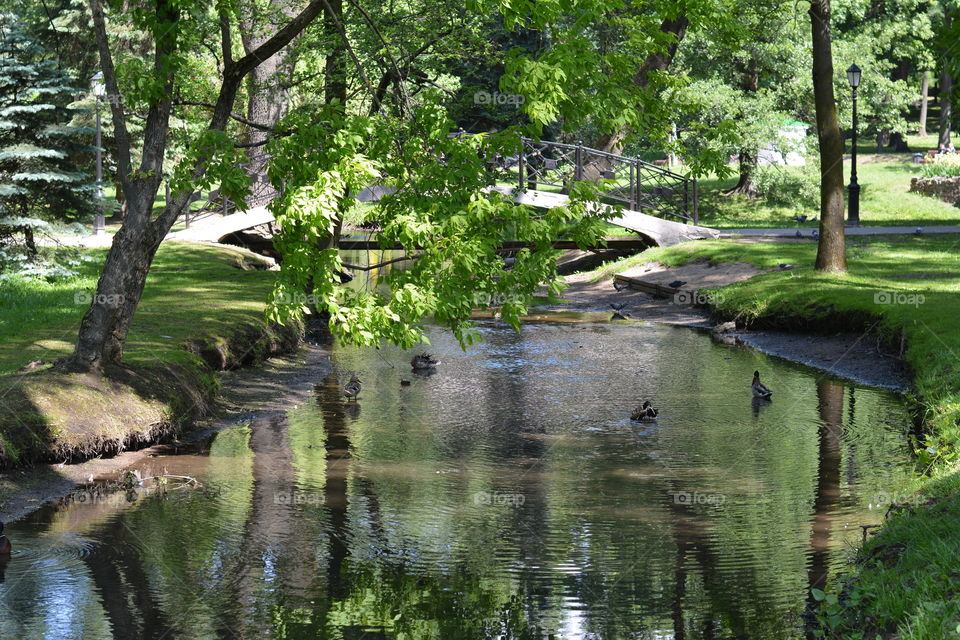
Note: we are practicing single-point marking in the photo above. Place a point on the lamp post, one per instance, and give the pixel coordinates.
(853, 208)
(99, 89)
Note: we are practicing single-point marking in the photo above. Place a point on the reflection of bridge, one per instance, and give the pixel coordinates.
(657, 203)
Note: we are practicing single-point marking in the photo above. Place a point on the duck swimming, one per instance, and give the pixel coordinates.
(423, 361)
(760, 390)
(352, 389)
(5, 546)
(645, 413)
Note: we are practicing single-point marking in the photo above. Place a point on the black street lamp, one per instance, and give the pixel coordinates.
(853, 209)
(99, 89)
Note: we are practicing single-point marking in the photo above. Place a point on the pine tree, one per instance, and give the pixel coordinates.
(39, 145)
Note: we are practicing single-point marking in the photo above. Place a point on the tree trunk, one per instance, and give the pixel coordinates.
(924, 99)
(831, 250)
(750, 82)
(268, 95)
(748, 168)
(946, 109)
(896, 141)
(336, 62)
(103, 330)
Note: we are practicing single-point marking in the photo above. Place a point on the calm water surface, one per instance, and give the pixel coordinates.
(506, 496)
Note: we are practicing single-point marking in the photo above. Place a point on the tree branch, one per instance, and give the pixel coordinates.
(386, 48)
(238, 118)
(346, 43)
(354, 267)
(158, 115)
(233, 75)
(226, 43)
(120, 134)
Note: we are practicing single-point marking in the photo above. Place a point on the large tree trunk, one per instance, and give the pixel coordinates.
(748, 169)
(924, 100)
(946, 109)
(831, 251)
(268, 93)
(104, 328)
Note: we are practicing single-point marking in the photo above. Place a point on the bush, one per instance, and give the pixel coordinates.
(789, 186)
(946, 165)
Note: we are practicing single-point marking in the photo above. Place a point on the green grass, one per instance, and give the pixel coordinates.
(885, 199)
(911, 576)
(200, 312)
(191, 290)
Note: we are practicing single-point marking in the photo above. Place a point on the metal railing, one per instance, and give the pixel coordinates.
(631, 182)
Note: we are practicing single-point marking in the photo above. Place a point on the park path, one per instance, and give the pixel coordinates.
(807, 232)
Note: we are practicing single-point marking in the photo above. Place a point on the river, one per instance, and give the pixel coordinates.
(506, 496)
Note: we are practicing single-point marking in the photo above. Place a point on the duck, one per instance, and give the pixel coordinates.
(352, 389)
(5, 546)
(760, 390)
(423, 362)
(644, 413)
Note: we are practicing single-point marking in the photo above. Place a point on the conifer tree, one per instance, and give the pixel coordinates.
(39, 144)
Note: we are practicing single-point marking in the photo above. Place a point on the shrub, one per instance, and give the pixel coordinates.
(789, 186)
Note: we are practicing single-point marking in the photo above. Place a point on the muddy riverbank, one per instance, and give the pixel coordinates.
(858, 356)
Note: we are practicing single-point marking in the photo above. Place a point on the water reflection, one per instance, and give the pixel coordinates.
(507, 496)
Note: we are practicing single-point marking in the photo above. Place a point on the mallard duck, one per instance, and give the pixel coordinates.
(423, 361)
(5, 546)
(759, 389)
(352, 389)
(645, 413)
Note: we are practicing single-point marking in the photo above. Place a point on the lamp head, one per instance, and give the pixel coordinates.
(853, 76)
(97, 86)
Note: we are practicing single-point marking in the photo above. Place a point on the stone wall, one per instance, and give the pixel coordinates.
(947, 189)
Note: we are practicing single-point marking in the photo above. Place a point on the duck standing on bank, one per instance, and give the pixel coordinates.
(5, 546)
(423, 362)
(645, 413)
(760, 390)
(352, 389)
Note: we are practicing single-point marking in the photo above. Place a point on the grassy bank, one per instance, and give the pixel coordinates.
(202, 311)
(908, 576)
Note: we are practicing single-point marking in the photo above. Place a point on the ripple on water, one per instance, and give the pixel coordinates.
(513, 479)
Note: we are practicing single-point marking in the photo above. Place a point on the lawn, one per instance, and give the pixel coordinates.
(202, 311)
(885, 199)
(897, 286)
(192, 290)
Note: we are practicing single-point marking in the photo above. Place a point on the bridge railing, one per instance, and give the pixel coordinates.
(631, 182)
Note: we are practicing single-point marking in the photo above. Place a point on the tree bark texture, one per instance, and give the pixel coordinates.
(831, 250)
